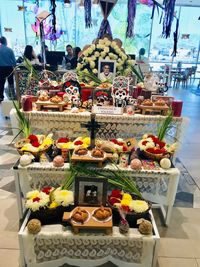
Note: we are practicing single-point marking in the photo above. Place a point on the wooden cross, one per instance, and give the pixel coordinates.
(92, 126)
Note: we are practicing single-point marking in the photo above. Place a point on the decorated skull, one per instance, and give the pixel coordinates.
(72, 91)
(70, 76)
(102, 98)
(120, 91)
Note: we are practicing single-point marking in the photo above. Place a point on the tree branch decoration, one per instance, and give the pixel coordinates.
(175, 39)
(131, 18)
(88, 18)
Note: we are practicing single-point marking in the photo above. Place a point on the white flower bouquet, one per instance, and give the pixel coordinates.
(107, 50)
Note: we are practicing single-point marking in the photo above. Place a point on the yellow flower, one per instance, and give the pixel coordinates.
(127, 196)
(53, 205)
(86, 140)
(125, 202)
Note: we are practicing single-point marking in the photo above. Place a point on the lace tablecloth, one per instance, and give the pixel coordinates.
(112, 126)
(56, 245)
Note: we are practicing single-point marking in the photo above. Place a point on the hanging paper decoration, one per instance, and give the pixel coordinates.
(185, 36)
(146, 2)
(106, 8)
(53, 12)
(22, 8)
(88, 18)
(7, 29)
(131, 17)
(169, 6)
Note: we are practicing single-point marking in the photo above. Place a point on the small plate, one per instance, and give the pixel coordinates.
(105, 220)
(88, 218)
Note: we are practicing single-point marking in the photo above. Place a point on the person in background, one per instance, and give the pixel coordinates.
(40, 56)
(77, 54)
(141, 57)
(29, 53)
(7, 63)
(71, 61)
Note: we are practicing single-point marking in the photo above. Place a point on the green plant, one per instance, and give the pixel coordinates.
(23, 121)
(166, 124)
(115, 177)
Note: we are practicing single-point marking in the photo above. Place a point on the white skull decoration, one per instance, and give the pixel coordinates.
(72, 93)
(120, 91)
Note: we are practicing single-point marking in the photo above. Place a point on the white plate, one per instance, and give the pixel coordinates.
(106, 220)
(88, 218)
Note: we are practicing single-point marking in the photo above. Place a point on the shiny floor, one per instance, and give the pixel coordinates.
(179, 243)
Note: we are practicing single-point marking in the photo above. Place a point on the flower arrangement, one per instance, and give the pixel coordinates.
(66, 143)
(124, 201)
(34, 144)
(106, 50)
(48, 198)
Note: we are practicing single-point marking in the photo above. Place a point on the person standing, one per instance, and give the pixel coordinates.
(69, 58)
(7, 63)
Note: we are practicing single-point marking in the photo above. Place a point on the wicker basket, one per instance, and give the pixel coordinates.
(156, 157)
(131, 216)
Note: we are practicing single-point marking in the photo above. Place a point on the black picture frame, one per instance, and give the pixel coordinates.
(90, 191)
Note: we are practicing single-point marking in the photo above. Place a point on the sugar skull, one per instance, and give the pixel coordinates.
(102, 98)
(72, 91)
(120, 91)
(70, 76)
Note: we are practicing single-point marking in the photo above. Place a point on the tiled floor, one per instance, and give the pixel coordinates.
(179, 243)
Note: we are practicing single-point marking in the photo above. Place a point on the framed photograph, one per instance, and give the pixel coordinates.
(90, 191)
(106, 70)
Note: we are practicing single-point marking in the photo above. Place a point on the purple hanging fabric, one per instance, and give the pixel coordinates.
(53, 11)
(88, 18)
(104, 29)
(131, 17)
(169, 6)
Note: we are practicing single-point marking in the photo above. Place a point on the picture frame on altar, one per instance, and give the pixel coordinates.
(106, 70)
(90, 191)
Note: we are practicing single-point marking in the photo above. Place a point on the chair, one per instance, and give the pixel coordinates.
(182, 78)
(193, 72)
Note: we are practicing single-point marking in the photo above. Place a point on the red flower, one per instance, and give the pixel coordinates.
(36, 199)
(144, 143)
(35, 144)
(67, 84)
(120, 143)
(125, 148)
(63, 140)
(33, 138)
(116, 193)
(113, 200)
(47, 190)
(78, 142)
(126, 208)
(161, 144)
(114, 141)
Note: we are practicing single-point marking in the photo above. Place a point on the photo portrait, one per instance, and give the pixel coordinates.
(90, 191)
(106, 70)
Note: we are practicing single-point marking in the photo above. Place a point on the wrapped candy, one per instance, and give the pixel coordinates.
(34, 226)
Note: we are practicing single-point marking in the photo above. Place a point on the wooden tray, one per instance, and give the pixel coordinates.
(92, 223)
(87, 158)
(50, 104)
(162, 109)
